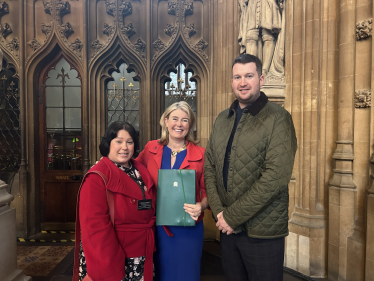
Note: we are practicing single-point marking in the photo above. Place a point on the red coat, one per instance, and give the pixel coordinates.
(105, 247)
(151, 157)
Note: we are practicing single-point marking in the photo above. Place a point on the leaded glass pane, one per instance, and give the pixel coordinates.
(53, 96)
(73, 96)
(54, 118)
(10, 141)
(123, 98)
(73, 119)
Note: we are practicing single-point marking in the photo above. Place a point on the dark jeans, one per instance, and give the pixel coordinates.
(251, 259)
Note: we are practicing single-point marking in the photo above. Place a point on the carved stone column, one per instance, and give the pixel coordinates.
(8, 245)
(341, 188)
(224, 28)
(361, 176)
(310, 90)
(369, 262)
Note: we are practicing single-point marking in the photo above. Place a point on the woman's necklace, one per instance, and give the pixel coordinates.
(175, 152)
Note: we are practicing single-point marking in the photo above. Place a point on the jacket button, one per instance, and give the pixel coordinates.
(230, 169)
(133, 201)
(233, 148)
(239, 129)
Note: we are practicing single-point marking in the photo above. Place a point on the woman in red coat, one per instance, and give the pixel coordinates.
(123, 249)
(179, 248)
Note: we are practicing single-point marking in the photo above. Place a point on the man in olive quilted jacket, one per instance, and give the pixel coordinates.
(248, 164)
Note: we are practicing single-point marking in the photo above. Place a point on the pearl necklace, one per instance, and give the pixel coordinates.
(175, 152)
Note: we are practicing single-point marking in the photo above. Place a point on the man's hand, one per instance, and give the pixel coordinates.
(222, 225)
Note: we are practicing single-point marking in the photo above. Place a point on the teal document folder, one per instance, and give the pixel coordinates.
(174, 188)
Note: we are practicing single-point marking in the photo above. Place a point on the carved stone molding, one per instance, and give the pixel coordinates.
(363, 98)
(190, 29)
(66, 29)
(363, 29)
(110, 8)
(56, 8)
(274, 79)
(188, 9)
(170, 29)
(62, 8)
(108, 29)
(158, 45)
(4, 8)
(172, 8)
(96, 45)
(13, 45)
(34, 44)
(201, 45)
(46, 29)
(140, 46)
(77, 46)
(47, 7)
(125, 9)
(5, 30)
(128, 29)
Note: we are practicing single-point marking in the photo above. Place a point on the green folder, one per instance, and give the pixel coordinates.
(174, 188)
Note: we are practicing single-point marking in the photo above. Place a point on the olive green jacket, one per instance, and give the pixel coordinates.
(260, 168)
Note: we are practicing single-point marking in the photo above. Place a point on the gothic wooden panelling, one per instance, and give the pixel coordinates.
(9, 31)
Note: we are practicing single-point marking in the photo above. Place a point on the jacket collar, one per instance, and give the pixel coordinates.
(255, 107)
(120, 182)
(193, 154)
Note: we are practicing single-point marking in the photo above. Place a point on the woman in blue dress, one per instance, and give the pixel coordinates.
(178, 248)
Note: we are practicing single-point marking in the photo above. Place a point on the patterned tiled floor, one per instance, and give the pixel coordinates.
(40, 260)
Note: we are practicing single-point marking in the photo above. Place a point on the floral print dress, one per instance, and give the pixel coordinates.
(134, 266)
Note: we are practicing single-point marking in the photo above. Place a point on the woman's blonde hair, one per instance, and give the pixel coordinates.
(191, 122)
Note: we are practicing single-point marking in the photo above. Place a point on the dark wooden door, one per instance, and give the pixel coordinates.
(60, 145)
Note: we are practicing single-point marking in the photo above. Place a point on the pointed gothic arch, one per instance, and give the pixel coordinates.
(99, 75)
(180, 52)
(35, 69)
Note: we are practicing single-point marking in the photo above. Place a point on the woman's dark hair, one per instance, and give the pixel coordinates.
(111, 133)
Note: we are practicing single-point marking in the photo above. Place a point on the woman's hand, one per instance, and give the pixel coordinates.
(194, 210)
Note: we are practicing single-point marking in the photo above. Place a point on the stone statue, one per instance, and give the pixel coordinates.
(260, 24)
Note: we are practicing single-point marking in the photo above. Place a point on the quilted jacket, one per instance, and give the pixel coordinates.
(260, 167)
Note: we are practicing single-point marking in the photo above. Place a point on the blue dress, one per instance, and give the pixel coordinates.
(178, 257)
